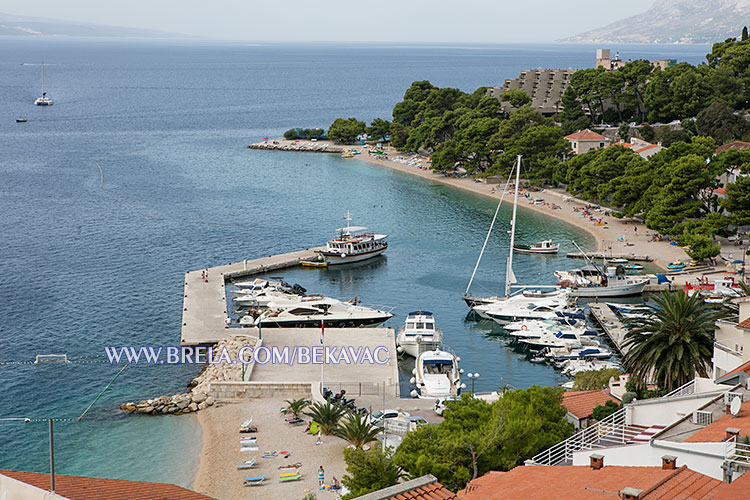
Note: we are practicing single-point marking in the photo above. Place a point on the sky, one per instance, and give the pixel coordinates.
(447, 21)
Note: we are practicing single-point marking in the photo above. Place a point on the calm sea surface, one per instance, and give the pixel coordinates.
(139, 172)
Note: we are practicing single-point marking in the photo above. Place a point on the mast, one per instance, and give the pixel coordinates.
(509, 276)
(42, 77)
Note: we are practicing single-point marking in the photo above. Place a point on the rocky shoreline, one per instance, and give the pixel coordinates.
(197, 397)
(302, 147)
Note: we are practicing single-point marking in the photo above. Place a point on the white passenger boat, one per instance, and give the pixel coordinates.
(436, 375)
(325, 311)
(419, 334)
(353, 244)
(593, 281)
(545, 246)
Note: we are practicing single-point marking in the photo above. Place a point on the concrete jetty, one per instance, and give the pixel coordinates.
(609, 255)
(612, 325)
(204, 303)
(300, 146)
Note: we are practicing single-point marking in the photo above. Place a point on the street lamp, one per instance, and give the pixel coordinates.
(473, 377)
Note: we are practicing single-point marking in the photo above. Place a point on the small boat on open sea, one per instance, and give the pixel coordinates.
(21, 120)
(545, 246)
(353, 244)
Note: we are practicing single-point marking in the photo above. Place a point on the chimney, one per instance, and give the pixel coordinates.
(630, 493)
(596, 461)
(732, 432)
(669, 462)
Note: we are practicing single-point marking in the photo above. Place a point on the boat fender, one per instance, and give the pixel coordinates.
(414, 393)
(412, 380)
(343, 255)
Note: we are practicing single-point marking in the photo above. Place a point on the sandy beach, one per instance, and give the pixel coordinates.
(218, 476)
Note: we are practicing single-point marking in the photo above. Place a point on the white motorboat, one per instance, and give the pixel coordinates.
(544, 247)
(436, 375)
(326, 311)
(353, 244)
(419, 334)
(539, 324)
(559, 339)
(537, 332)
(44, 100)
(511, 311)
(588, 353)
(592, 281)
(573, 366)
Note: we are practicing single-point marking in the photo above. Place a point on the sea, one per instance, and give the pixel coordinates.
(140, 172)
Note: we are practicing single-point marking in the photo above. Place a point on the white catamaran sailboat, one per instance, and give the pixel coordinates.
(44, 100)
(353, 244)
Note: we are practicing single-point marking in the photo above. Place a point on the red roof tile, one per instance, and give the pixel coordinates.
(732, 145)
(716, 431)
(541, 482)
(646, 148)
(734, 490)
(582, 403)
(742, 368)
(687, 485)
(744, 323)
(94, 488)
(586, 135)
(432, 491)
(720, 191)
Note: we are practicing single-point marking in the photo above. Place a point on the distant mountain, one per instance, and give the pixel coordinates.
(22, 26)
(675, 21)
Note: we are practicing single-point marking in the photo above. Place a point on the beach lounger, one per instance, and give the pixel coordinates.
(249, 448)
(247, 464)
(295, 465)
(247, 430)
(285, 478)
(248, 439)
(294, 421)
(254, 481)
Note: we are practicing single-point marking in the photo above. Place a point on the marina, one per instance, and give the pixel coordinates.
(612, 325)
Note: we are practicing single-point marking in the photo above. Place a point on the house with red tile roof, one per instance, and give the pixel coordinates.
(581, 404)
(585, 140)
(36, 486)
(732, 340)
(426, 487)
(597, 482)
(732, 145)
(640, 147)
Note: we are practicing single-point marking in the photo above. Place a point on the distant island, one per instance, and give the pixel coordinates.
(29, 27)
(674, 21)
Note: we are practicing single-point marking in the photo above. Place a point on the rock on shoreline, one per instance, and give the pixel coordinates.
(197, 398)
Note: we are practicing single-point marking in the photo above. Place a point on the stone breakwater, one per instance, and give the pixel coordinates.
(303, 147)
(198, 395)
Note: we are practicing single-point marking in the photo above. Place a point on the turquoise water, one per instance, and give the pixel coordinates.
(139, 172)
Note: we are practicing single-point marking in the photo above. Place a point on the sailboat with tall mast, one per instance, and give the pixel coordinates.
(527, 296)
(44, 100)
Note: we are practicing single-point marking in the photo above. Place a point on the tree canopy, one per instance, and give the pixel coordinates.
(346, 130)
(476, 436)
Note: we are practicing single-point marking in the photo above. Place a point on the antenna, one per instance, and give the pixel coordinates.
(734, 407)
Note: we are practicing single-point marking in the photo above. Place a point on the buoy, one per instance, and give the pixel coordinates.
(414, 393)
(399, 349)
(413, 380)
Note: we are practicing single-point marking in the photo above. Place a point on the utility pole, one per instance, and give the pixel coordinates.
(51, 457)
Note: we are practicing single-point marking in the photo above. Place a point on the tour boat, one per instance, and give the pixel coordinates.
(419, 334)
(326, 311)
(353, 244)
(592, 281)
(545, 246)
(44, 100)
(436, 375)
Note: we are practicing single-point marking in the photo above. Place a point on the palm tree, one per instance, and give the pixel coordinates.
(674, 342)
(357, 430)
(295, 406)
(326, 415)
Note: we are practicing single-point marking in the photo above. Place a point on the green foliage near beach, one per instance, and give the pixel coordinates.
(674, 343)
(326, 415)
(476, 436)
(346, 130)
(592, 380)
(379, 129)
(368, 471)
(304, 133)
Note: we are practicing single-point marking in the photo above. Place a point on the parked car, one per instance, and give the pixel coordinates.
(440, 404)
(378, 417)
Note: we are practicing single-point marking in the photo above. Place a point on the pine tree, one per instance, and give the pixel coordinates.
(744, 33)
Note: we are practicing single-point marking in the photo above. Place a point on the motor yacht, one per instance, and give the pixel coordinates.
(419, 334)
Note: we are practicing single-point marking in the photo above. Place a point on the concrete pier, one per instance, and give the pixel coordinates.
(613, 327)
(204, 304)
(609, 255)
